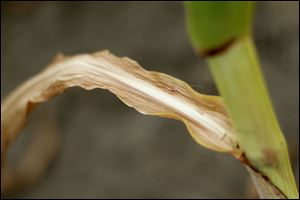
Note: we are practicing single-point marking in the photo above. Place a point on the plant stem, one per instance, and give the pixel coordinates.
(239, 79)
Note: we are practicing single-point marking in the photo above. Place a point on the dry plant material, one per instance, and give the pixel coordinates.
(149, 93)
(35, 160)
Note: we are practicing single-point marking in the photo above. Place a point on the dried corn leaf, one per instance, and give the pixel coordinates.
(149, 93)
(35, 159)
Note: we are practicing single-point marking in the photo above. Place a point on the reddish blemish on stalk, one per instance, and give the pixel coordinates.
(270, 157)
(218, 50)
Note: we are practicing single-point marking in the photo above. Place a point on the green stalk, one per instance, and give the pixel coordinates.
(221, 31)
(240, 82)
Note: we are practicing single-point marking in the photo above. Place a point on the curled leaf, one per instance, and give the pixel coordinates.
(150, 93)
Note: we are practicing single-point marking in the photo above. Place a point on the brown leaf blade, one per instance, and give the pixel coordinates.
(148, 92)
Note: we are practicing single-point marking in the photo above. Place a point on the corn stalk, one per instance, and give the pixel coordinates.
(221, 32)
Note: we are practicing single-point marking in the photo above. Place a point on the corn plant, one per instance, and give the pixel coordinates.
(221, 32)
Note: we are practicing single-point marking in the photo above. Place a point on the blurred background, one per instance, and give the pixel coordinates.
(108, 150)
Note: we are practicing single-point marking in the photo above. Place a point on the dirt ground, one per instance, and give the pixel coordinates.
(108, 149)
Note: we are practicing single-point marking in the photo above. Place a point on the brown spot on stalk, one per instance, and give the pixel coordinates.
(270, 157)
(217, 50)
